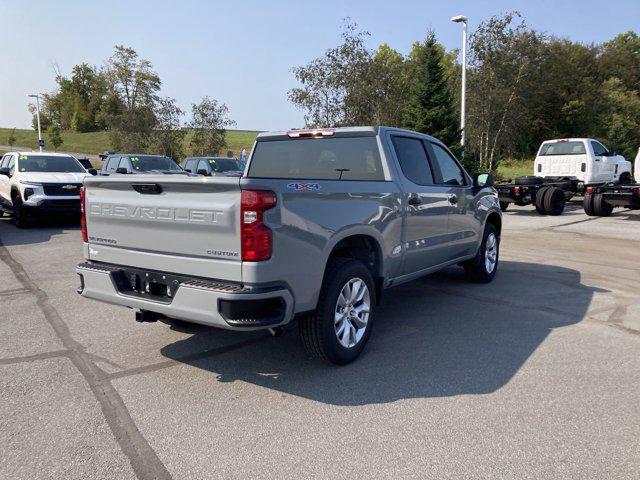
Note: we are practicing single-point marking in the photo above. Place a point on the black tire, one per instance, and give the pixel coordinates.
(587, 204)
(554, 201)
(19, 215)
(625, 178)
(504, 206)
(539, 200)
(601, 207)
(318, 330)
(529, 180)
(477, 270)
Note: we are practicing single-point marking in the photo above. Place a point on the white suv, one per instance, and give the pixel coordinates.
(39, 182)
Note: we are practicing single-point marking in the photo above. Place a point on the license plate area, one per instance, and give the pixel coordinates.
(156, 286)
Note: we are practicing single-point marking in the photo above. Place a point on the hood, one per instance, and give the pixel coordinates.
(49, 177)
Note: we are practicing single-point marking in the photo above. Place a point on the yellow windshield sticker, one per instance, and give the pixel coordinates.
(23, 157)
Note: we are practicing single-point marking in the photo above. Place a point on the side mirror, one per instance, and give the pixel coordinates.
(614, 151)
(121, 170)
(481, 180)
(5, 171)
(93, 171)
(203, 171)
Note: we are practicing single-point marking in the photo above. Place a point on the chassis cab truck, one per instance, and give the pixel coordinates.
(562, 169)
(601, 200)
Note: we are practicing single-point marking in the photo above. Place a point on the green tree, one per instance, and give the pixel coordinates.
(209, 121)
(503, 65)
(332, 92)
(129, 110)
(430, 108)
(167, 137)
(621, 115)
(11, 140)
(55, 139)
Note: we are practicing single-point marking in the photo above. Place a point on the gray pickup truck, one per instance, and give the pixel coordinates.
(318, 225)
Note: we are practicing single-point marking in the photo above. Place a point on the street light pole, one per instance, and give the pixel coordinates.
(463, 98)
(37, 97)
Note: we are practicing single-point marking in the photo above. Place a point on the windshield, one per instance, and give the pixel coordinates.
(355, 158)
(46, 163)
(148, 163)
(223, 164)
(563, 148)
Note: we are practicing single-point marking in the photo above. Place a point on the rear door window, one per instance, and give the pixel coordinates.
(353, 158)
(413, 160)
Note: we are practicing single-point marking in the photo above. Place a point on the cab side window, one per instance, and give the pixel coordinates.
(124, 163)
(11, 164)
(598, 149)
(413, 160)
(449, 169)
(4, 161)
(203, 165)
(112, 164)
(190, 165)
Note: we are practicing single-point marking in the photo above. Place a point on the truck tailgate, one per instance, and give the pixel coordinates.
(169, 223)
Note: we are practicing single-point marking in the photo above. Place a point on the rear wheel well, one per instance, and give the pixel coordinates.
(365, 249)
(495, 220)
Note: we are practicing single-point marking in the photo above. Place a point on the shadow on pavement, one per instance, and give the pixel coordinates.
(435, 337)
(40, 231)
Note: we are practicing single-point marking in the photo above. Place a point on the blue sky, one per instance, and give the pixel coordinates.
(241, 53)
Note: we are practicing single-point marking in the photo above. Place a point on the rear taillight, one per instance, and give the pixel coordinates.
(636, 191)
(255, 235)
(83, 218)
(589, 190)
(516, 190)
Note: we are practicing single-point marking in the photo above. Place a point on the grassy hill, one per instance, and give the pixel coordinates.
(96, 142)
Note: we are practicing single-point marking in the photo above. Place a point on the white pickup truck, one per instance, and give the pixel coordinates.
(563, 168)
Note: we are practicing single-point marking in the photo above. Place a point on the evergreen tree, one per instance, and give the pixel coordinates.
(430, 107)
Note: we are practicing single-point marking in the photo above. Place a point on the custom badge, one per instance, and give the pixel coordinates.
(303, 187)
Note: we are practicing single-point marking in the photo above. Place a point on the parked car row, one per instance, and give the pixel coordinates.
(38, 183)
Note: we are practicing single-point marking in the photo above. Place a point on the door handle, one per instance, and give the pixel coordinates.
(415, 200)
(453, 198)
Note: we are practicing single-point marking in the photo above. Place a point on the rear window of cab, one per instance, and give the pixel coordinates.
(352, 158)
(563, 148)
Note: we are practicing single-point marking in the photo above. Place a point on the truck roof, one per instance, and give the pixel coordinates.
(570, 140)
(337, 132)
(48, 154)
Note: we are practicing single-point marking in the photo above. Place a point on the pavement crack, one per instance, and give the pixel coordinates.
(13, 291)
(145, 462)
(34, 358)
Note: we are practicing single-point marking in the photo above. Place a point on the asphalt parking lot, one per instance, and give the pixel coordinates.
(536, 375)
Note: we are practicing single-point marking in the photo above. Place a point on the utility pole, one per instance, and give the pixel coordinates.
(463, 98)
(40, 142)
